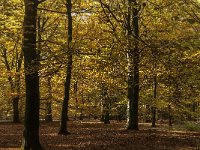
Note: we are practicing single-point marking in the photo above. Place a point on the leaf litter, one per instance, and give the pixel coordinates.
(94, 135)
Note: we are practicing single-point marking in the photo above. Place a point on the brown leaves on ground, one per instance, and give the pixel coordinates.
(93, 135)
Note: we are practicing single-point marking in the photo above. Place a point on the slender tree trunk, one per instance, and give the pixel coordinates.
(15, 103)
(76, 99)
(133, 77)
(169, 115)
(82, 107)
(16, 109)
(64, 114)
(48, 116)
(153, 109)
(107, 107)
(107, 115)
(102, 102)
(15, 88)
(31, 122)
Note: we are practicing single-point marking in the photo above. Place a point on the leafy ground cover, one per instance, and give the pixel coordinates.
(93, 135)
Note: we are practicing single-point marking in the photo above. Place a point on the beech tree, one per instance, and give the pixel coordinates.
(133, 63)
(64, 114)
(31, 64)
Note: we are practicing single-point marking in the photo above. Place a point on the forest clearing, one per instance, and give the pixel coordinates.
(94, 135)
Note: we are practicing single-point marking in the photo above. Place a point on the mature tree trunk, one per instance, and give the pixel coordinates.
(31, 122)
(63, 125)
(133, 60)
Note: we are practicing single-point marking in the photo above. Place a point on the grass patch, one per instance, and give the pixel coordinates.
(189, 126)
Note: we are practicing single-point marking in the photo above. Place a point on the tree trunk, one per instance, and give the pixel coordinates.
(48, 115)
(76, 99)
(15, 88)
(31, 122)
(133, 60)
(15, 101)
(107, 115)
(102, 102)
(16, 109)
(169, 115)
(153, 109)
(63, 125)
(82, 107)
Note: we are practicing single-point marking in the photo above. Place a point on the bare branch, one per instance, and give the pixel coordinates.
(41, 1)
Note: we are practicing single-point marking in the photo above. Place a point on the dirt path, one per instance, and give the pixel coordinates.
(97, 136)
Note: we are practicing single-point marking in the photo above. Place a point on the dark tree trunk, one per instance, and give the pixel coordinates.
(63, 124)
(76, 99)
(48, 116)
(153, 109)
(31, 122)
(169, 115)
(15, 100)
(107, 115)
(16, 109)
(133, 77)
(102, 94)
(102, 109)
(82, 107)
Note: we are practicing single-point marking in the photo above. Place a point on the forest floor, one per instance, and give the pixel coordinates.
(93, 135)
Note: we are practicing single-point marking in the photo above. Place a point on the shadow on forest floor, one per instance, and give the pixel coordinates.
(93, 135)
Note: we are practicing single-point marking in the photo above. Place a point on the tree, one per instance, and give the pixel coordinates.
(133, 60)
(31, 64)
(63, 124)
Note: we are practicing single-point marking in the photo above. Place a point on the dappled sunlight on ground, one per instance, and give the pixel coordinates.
(94, 135)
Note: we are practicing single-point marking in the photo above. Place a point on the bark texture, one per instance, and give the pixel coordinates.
(133, 62)
(31, 123)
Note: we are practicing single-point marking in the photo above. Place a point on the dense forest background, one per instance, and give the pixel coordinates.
(168, 67)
